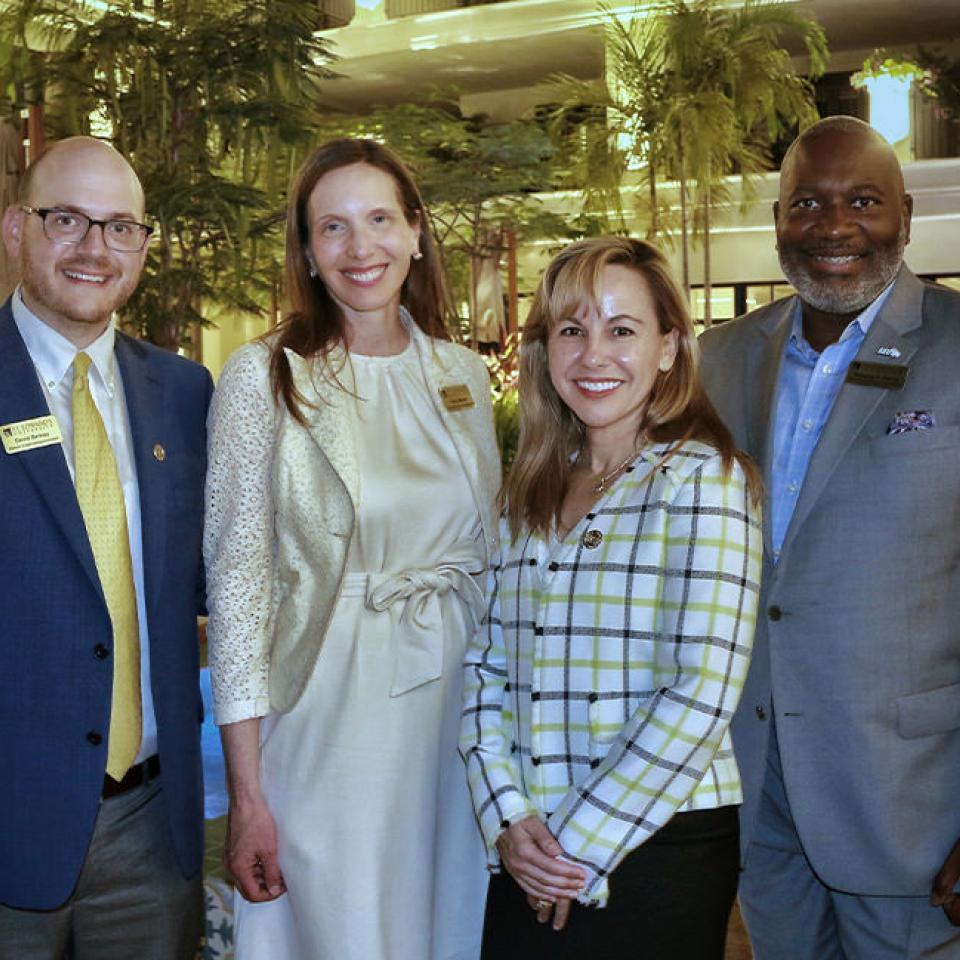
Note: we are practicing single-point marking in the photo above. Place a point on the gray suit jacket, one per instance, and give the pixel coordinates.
(858, 643)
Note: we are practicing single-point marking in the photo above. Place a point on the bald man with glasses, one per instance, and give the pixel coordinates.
(101, 475)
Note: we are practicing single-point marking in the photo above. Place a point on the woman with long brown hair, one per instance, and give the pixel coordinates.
(600, 691)
(349, 505)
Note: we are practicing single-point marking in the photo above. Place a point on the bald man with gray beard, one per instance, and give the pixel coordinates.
(848, 732)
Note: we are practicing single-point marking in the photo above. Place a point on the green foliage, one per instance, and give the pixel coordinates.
(695, 90)
(941, 79)
(597, 160)
(504, 373)
(936, 73)
(883, 64)
(212, 102)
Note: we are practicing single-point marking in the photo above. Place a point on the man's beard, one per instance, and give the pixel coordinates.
(42, 291)
(843, 296)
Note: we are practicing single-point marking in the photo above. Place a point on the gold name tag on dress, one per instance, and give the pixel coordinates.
(30, 434)
(887, 376)
(457, 397)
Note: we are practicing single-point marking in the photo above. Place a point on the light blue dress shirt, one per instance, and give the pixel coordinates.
(808, 386)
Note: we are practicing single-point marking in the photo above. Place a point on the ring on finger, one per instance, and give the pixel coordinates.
(543, 904)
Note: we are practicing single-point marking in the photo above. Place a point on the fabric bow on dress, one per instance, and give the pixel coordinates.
(419, 651)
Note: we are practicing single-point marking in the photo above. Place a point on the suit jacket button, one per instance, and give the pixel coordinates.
(774, 612)
(761, 712)
(94, 738)
(101, 652)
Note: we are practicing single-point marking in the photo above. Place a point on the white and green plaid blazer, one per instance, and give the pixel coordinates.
(600, 688)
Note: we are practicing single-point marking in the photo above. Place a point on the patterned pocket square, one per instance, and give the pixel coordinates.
(912, 420)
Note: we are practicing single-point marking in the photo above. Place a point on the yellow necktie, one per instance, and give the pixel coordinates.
(101, 501)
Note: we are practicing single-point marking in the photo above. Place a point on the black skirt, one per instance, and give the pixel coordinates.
(670, 899)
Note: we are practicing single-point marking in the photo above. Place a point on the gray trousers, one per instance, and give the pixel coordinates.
(791, 914)
(131, 900)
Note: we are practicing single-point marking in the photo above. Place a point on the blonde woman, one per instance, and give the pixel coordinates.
(353, 470)
(600, 691)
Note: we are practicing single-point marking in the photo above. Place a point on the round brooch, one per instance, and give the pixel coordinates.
(592, 539)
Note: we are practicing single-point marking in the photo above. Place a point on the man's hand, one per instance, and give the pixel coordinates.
(250, 852)
(943, 886)
(531, 854)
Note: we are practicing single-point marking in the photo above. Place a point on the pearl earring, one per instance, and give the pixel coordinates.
(416, 255)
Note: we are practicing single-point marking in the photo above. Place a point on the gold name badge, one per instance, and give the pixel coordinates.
(456, 397)
(30, 434)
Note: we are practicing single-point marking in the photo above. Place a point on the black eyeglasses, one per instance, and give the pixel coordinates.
(68, 226)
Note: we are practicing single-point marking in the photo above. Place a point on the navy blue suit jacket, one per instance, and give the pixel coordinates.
(54, 691)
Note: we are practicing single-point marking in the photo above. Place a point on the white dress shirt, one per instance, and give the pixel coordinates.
(53, 356)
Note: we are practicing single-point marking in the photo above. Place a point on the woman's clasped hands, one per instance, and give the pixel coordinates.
(535, 859)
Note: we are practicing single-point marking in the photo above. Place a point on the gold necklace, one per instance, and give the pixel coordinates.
(602, 483)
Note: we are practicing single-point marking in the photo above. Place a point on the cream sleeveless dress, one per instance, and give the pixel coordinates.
(378, 844)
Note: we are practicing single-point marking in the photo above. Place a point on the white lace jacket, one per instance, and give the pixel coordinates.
(280, 512)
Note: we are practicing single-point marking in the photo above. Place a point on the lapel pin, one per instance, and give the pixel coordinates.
(891, 352)
(159, 454)
(592, 539)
